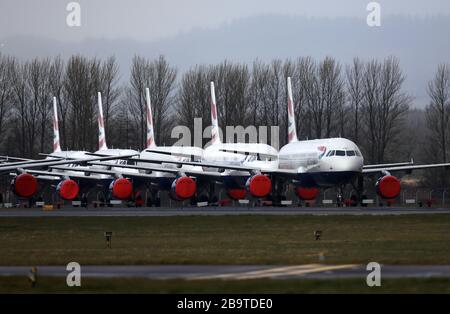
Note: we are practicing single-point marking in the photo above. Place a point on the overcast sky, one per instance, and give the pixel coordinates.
(149, 20)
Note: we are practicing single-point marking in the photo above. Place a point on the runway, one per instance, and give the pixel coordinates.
(216, 211)
(237, 272)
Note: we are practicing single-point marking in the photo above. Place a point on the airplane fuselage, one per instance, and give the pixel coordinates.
(322, 162)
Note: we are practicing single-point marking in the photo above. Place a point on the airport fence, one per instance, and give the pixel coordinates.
(409, 197)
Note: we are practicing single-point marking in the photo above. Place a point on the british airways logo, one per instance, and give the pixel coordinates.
(323, 150)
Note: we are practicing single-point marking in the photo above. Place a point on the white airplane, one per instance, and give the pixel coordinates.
(178, 171)
(180, 185)
(237, 166)
(309, 165)
(252, 155)
(25, 182)
(136, 173)
(329, 162)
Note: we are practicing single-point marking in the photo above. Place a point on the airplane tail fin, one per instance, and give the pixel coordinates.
(101, 126)
(215, 135)
(150, 134)
(56, 142)
(292, 127)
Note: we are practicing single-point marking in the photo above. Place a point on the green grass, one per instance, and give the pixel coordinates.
(128, 285)
(406, 239)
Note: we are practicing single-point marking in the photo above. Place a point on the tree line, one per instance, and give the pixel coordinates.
(364, 101)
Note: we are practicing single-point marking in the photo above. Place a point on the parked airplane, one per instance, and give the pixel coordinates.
(25, 181)
(330, 162)
(136, 173)
(310, 164)
(229, 164)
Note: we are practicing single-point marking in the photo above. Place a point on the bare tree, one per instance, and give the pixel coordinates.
(160, 77)
(6, 94)
(438, 111)
(384, 107)
(438, 122)
(355, 74)
(81, 83)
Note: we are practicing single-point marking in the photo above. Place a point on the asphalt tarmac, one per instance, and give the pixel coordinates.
(237, 272)
(215, 211)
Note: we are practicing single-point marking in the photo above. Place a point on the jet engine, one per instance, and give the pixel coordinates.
(307, 194)
(24, 185)
(183, 188)
(68, 189)
(388, 186)
(121, 188)
(259, 185)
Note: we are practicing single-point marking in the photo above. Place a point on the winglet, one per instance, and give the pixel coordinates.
(56, 142)
(101, 126)
(150, 134)
(215, 135)
(292, 127)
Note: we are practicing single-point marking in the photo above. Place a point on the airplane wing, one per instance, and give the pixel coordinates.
(46, 163)
(199, 164)
(8, 158)
(112, 173)
(177, 151)
(249, 152)
(405, 168)
(29, 162)
(47, 175)
(398, 164)
(199, 155)
(147, 169)
(175, 171)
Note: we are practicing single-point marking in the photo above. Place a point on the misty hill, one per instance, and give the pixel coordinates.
(419, 43)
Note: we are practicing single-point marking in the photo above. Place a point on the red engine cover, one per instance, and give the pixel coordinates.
(24, 185)
(237, 194)
(259, 185)
(121, 188)
(68, 189)
(307, 194)
(388, 187)
(183, 188)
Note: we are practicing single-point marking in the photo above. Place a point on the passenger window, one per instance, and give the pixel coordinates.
(350, 153)
(340, 153)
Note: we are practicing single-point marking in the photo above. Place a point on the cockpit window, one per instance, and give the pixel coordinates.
(340, 153)
(350, 153)
(330, 153)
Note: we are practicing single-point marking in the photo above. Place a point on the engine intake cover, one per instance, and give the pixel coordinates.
(24, 185)
(259, 185)
(68, 189)
(183, 188)
(121, 188)
(388, 187)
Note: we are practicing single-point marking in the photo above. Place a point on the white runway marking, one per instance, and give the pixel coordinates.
(278, 272)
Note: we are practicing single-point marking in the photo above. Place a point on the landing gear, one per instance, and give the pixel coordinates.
(359, 188)
(212, 197)
(340, 197)
(154, 199)
(279, 192)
